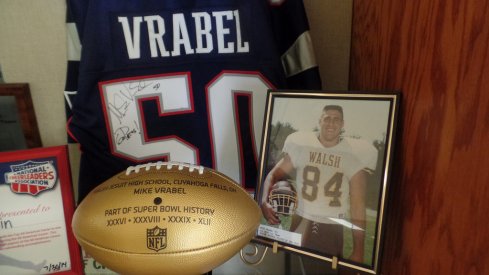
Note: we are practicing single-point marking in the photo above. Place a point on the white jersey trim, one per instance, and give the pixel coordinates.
(300, 56)
(73, 42)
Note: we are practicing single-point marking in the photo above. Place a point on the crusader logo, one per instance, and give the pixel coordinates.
(156, 238)
(31, 177)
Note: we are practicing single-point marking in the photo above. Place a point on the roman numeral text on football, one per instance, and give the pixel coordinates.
(179, 219)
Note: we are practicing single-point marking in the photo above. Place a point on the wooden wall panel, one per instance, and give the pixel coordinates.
(437, 53)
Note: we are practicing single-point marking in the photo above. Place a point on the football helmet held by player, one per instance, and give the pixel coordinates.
(283, 198)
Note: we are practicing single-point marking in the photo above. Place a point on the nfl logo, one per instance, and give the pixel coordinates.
(156, 238)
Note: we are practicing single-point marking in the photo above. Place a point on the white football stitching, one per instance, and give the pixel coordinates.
(168, 165)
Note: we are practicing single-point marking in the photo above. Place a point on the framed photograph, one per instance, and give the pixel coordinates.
(17, 118)
(324, 173)
(36, 209)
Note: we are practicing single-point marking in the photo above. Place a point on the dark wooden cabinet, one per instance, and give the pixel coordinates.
(437, 53)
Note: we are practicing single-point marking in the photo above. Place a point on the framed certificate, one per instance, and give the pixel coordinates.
(324, 173)
(36, 208)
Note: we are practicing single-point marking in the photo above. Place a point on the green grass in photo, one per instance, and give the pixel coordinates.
(369, 240)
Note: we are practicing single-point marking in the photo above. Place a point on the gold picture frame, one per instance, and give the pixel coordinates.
(316, 145)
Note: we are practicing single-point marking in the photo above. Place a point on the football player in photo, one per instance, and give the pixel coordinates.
(331, 179)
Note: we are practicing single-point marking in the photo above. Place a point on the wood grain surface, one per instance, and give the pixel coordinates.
(437, 53)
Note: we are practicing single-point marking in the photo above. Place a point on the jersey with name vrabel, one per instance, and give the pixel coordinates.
(179, 81)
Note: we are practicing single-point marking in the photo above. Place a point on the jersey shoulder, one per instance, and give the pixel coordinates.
(302, 138)
(363, 150)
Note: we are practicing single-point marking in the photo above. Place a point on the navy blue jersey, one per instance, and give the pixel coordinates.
(179, 81)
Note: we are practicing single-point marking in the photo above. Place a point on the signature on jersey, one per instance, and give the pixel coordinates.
(123, 133)
(122, 107)
(119, 104)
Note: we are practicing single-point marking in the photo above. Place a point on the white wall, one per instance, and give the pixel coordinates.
(330, 22)
(33, 50)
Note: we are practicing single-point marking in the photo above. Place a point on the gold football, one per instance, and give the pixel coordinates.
(165, 218)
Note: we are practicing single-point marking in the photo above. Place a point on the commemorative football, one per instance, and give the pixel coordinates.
(165, 218)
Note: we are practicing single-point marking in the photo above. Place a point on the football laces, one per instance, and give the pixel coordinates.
(169, 165)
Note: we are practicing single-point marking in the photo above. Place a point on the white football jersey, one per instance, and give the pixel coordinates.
(323, 174)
